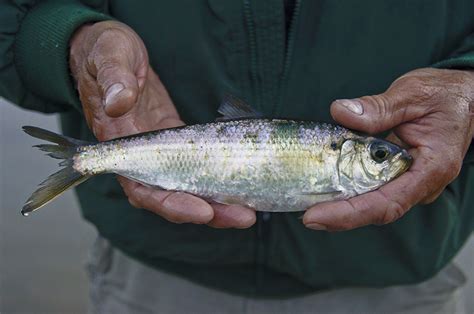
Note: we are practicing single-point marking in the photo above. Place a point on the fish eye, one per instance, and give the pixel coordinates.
(379, 152)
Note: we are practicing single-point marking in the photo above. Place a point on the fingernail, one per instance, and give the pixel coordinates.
(112, 92)
(316, 226)
(352, 105)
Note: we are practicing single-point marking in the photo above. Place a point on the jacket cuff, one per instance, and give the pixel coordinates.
(42, 48)
(460, 58)
(459, 62)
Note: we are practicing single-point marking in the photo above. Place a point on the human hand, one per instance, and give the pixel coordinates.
(429, 110)
(122, 95)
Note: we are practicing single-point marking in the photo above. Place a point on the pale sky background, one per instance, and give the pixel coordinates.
(42, 256)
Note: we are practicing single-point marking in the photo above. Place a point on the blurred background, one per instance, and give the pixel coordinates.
(42, 257)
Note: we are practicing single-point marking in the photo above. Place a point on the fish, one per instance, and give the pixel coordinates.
(267, 164)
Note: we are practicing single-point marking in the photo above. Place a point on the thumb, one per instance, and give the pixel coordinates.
(371, 114)
(119, 63)
(119, 88)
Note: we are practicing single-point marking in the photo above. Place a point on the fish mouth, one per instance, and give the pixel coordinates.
(407, 158)
(406, 161)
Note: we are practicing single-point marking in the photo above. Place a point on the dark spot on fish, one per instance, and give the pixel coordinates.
(190, 142)
(220, 130)
(252, 137)
(334, 145)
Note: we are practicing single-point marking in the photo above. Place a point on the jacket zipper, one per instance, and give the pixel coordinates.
(254, 67)
(288, 54)
(253, 51)
(263, 219)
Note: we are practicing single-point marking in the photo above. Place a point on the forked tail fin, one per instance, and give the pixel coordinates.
(61, 181)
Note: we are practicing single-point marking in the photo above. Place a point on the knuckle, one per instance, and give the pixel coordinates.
(107, 74)
(107, 67)
(425, 92)
(430, 199)
(421, 88)
(348, 220)
(102, 57)
(382, 108)
(134, 202)
(165, 209)
(393, 212)
(112, 35)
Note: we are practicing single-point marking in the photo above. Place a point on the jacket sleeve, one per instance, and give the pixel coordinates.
(463, 59)
(34, 47)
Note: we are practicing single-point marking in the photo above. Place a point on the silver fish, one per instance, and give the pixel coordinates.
(266, 164)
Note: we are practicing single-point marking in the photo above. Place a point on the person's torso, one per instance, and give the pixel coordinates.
(288, 64)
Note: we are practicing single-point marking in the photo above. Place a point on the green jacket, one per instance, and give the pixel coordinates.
(290, 65)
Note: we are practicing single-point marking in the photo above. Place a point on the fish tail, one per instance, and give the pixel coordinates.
(63, 148)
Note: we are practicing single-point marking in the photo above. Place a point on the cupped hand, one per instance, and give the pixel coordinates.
(122, 95)
(430, 111)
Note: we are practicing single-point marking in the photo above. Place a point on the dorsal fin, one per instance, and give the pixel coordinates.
(234, 108)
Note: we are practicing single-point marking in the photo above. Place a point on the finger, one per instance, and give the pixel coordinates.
(232, 216)
(119, 63)
(382, 206)
(371, 114)
(393, 138)
(90, 99)
(95, 116)
(377, 113)
(176, 207)
(119, 89)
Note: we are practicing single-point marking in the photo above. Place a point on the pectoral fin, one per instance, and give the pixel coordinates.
(312, 198)
(330, 192)
(229, 200)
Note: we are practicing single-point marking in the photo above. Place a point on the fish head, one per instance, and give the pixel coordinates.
(366, 163)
